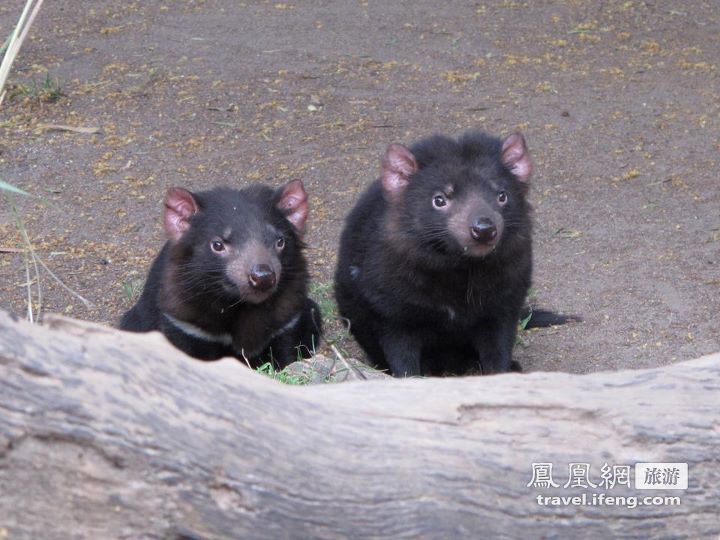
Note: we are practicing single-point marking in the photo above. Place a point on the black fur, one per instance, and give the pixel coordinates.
(417, 301)
(190, 283)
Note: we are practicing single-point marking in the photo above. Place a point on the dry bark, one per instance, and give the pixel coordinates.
(111, 435)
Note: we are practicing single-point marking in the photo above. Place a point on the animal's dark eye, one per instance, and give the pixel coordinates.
(439, 201)
(280, 242)
(502, 197)
(217, 246)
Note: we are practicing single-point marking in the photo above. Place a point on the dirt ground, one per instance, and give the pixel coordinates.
(619, 102)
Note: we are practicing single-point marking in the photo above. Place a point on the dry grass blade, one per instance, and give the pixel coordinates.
(28, 284)
(4, 186)
(352, 369)
(32, 258)
(16, 40)
(242, 353)
(29, 258)
(73, 129)
(87, 303)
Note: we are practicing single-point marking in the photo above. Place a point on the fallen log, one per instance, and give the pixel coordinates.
(105, 434)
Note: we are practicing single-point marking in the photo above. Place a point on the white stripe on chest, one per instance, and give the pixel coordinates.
(224, 339)
(198, 333)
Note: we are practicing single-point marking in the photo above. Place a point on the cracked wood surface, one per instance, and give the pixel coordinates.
(112, 435)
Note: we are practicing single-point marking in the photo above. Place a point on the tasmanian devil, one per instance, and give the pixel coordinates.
(231, 280)
(435, 259)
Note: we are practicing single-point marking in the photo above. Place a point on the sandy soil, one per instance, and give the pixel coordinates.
(619, 101)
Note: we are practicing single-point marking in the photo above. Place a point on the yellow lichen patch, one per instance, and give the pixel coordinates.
(613, 72)
(195, 142)
(459, 77)
(628, 175)
(696, 66)
(584, 27)
(544, 86)
(118, 67)
(650, 46)
(623, 36)
(103, 165)
(691, 50)
(114, 140)
(106, 30)
(589, 38)
(679, 183)
(272, 105)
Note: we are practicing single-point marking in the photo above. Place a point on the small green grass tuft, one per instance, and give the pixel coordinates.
(522, 325)
(524, 322)
(283, 376)
(322, 293)
(47, 91)
(335, 328)
(132, 289)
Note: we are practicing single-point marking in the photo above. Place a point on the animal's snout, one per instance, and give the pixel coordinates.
(262, 277)
(484, 231)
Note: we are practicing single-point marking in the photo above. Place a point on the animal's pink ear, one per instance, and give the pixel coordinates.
(180, 206)
(516, 156)
(398, 165)
(293, 203)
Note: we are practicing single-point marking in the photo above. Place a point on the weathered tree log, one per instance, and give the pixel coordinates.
(112, 435)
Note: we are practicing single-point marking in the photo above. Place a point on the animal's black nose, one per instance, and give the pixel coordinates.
(261, 277)
(484, 231)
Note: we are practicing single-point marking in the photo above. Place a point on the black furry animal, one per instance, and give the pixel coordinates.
(435, 259)
(231, 280)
